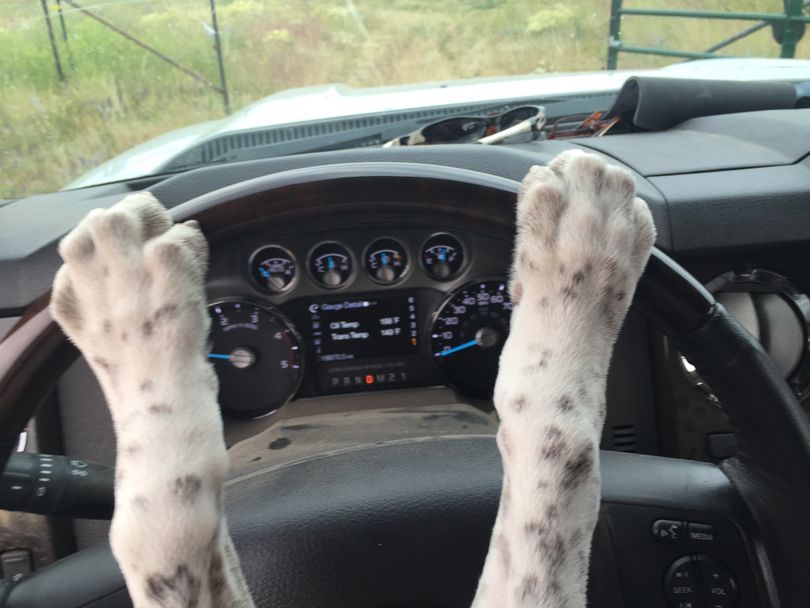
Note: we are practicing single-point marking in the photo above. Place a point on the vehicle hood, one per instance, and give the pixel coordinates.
(332, 101)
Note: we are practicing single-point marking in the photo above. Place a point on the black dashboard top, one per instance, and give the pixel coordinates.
(714, 143)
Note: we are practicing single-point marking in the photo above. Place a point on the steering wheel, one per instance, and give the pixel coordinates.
(407, 523)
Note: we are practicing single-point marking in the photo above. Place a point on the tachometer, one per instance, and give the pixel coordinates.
(257, 356)
(468, 335)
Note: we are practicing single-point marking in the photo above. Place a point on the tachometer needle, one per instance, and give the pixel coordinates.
(216, 356)
(455, 349)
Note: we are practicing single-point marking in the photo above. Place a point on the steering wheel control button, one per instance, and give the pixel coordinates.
(442, 256)
(680, 584)
(386, 260)
(700, 581)
(331, 265)
(273, 268)
(717, 585)
(702, 535)
(668, 531)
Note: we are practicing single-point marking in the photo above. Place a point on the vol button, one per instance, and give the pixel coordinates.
(718, 587)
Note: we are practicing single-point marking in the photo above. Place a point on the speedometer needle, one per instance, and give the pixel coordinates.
(455, 349)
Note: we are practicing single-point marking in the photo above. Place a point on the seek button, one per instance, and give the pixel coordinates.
(679, 584)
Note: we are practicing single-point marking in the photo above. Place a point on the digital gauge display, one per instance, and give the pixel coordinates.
(363, 343)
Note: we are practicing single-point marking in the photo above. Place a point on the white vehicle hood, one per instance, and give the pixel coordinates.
(339, 101)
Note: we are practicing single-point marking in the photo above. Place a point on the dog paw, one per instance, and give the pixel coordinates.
(583, 237)
(130, 292)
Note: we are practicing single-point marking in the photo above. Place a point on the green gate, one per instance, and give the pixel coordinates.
(788, 28)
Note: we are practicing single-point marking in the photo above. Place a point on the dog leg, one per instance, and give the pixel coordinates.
(583, 241)
(131, 296)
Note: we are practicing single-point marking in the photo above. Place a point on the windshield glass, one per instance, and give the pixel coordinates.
(82, 82)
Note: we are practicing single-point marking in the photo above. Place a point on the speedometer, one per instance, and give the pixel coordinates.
(468, 334)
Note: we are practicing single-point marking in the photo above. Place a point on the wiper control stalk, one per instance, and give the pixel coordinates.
(57, 485)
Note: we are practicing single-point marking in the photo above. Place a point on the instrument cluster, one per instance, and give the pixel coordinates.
(338, 317)
(274, 268)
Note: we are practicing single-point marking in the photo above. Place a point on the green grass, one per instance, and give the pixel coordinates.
(117, 96)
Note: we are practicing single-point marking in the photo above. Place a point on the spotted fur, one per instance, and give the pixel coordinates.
(583, 240)
(131, 296)
(142, 326)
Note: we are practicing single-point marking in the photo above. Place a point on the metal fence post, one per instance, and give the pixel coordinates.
(64, 32)
(54, 50)
(218, 46)
(62, 20)
(792, 30)
(615, 34)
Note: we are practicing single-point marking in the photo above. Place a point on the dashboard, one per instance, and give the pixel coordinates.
(358, 303)
(327, 304)
(367, 302)
(303, 315)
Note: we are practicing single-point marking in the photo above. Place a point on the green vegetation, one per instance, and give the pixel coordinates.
(116, 95)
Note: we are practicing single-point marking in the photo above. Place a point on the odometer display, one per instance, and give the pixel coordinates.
(468, 335)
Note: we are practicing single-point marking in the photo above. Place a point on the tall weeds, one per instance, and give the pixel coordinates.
(117, 96)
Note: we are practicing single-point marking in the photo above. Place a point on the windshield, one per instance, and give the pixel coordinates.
(83, 81)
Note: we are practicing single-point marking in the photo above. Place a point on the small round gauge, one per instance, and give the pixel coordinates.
(257, 356)
(273, 268)
(386, 260)
(331, 264)
(468, 334)
(442, 256)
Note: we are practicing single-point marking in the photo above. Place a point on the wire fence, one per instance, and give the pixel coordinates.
(221, 88)
(788, 29)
